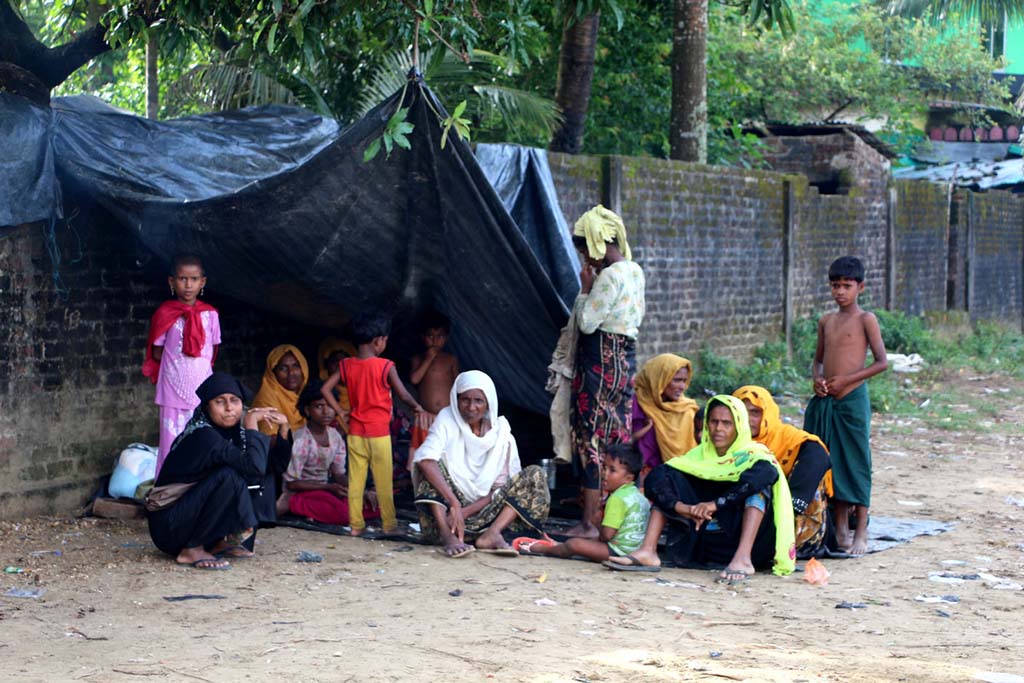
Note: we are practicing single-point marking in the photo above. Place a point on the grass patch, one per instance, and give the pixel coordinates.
(986, 348)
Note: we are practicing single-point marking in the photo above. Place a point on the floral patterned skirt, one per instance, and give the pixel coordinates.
(527, 493)
(602, 401)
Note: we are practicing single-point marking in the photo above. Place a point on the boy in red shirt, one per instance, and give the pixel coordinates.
(369, 380)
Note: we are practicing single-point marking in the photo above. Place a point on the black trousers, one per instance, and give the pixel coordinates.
(666, 486)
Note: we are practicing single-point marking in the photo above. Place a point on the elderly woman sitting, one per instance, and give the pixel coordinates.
(726, 501)
(471, 483)
(202, 504)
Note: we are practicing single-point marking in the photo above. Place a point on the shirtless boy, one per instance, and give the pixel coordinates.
(433, 374)
(840, 412)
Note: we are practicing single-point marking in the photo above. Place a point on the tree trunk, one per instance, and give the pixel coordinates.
(575, 75)
(689, 133)
(152, 77)
(51, 66)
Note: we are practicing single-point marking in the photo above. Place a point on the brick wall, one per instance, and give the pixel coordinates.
(71, 389)
(578, 181)
(921, 243)
(826, 226)
(707, 240)
(995, 258)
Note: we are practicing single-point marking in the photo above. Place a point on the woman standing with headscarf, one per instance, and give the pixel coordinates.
(662, 412)
(472, 481)
(608, 312)
(201, 504)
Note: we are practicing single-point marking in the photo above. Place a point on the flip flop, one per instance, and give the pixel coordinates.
(500, 552)
(524, 545)
(226, 553)
(742, 577)
(633, 566)
(212, 568)
(468, 550)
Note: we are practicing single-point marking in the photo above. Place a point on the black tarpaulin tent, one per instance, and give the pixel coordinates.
(288, 217)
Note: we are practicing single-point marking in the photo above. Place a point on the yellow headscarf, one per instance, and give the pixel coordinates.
(783, 440)
(327, 347)
(272, 394)
(704, 462)
(600, 226)
(673, 420)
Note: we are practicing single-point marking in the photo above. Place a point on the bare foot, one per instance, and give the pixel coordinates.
(357, 532)
(583, 530)
(456, 548)
(644, 557)
(489, 540)
(859, 545)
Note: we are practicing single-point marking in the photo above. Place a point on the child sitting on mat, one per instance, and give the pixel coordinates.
(318, 450)
(625, 514)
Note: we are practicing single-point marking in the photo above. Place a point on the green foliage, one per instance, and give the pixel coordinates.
(393, 135)
(902, 333)
(846, 63)
(456, 121)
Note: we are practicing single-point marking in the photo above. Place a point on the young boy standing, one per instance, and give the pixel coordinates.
(433, 373)
(369, 380)
(840, 412)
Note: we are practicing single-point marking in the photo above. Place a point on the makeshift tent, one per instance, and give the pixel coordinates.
(287, 216)
(522, 178)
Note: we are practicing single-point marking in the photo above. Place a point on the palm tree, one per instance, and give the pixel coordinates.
(988, 12)
(524, 114)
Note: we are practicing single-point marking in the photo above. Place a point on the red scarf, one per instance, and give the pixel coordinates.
(193, 337)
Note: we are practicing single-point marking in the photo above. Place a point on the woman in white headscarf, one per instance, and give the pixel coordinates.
(471, 482)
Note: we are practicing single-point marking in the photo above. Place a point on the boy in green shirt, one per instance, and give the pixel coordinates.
(625, 513)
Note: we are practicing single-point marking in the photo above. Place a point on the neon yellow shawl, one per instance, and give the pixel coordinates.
(600, 226)
(704, 462)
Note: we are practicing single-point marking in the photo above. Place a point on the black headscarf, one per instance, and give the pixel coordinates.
(222, 383)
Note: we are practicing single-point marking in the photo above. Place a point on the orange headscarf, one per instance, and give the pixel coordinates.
(784, 440)
(327, 347)
(272, 394)
(673, 420)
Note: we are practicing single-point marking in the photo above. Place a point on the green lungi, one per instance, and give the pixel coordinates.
(845, 426)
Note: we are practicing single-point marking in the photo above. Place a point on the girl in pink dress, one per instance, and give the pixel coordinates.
(183, 338)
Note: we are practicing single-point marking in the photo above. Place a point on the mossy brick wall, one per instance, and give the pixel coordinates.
(956, 264)
(71, 390)
(921, 246)
(708, 240)
(832, 225)
(578, 182)
(995, 258)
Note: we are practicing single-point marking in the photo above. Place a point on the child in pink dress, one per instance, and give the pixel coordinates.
(183, 338)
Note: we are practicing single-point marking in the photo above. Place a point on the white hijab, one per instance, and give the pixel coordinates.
(474, 462)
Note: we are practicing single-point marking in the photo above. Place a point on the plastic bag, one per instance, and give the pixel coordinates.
(136, 464)
(815, 573)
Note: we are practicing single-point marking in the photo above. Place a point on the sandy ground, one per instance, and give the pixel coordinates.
(385, 611)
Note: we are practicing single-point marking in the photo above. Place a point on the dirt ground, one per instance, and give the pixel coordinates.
(386, 611)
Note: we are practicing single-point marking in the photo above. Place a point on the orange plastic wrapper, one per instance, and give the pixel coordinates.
(815, 573)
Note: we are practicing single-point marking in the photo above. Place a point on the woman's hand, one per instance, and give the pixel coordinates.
(370, 496)
(456, 521)
(587, 277)
(338, 490)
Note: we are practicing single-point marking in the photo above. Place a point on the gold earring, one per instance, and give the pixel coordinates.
(173, 293)
(201, 290)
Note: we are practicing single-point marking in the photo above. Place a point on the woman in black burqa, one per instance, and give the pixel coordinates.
(213, 490)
